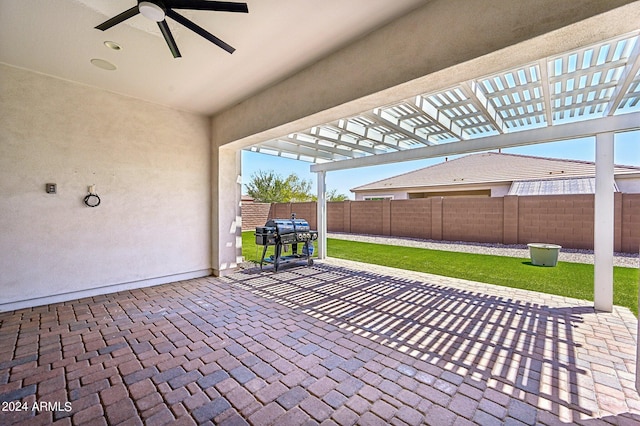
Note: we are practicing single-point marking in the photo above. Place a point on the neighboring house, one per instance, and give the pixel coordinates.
(494, 174)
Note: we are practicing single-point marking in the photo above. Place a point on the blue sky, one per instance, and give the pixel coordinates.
(627, 152)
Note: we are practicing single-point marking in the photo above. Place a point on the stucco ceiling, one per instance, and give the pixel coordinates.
(276, 39)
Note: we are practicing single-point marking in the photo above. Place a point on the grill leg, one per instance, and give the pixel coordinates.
(264, 251)
(306, 247)
(276, 259)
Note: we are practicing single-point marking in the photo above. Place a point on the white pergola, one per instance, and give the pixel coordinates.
(593, 82)
(593, 91)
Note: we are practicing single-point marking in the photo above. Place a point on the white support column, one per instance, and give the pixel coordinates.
(226, 210)
(604, 223)
(322, 215)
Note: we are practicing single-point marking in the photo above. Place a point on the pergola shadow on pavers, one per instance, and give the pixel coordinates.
(334, 343)
(529, 346)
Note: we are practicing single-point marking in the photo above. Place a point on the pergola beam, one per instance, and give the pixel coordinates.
(628, 75)
(438, 117)
(318, 133)
(365, 136)
(470, 89)
(296, 150)
(575, 130)
(334, 150)
(546, 91)
(376, 115)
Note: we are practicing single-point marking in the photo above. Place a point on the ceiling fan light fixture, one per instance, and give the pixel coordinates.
(152, 11)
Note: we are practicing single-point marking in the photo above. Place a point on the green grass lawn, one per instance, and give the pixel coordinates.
(566, 279)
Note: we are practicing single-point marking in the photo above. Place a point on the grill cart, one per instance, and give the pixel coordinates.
(284, 232)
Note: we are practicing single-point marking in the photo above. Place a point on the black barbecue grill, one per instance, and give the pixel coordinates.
(284, 232)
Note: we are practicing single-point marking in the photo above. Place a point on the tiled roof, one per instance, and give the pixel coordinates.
(490, 167)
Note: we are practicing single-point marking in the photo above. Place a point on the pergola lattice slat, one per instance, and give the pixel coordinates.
(588, 83)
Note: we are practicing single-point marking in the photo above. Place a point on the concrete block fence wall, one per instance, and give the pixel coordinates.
(254, 214)
(560, 219)
(629, 216)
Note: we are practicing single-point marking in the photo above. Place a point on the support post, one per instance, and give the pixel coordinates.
(322, 215)
(604, 223)
(638, 354)
(226, 211)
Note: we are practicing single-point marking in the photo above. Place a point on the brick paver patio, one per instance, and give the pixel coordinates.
(338, 343)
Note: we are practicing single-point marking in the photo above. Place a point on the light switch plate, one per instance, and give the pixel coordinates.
(51, 188)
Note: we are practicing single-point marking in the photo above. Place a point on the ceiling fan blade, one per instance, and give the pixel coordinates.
(119, 18)
(199, 30)
(218, 6)
(164, 28)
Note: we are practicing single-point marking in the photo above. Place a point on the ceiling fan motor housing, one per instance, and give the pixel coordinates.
(153, 10)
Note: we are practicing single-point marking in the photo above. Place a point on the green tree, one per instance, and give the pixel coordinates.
(270, 187)
(332, 196)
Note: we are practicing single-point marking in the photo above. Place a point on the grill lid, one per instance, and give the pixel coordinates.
(288, 226)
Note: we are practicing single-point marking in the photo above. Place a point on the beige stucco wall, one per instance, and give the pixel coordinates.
(394, 195)
(226, 215)
(500, 190)
(629, 184)
(151, 168)
(497, 190)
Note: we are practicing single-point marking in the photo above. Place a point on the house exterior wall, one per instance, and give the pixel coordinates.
(500, 190)
(226, 212)
(497, 190)
(393, 195)
(566, 220)
(151, 168)
(630, 185)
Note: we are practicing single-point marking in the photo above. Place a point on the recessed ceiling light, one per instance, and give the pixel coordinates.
(105, 65)
(112, 45)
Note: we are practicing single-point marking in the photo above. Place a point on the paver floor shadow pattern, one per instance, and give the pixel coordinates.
(307, 346)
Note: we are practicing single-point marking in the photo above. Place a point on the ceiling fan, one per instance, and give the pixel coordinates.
(157, 10)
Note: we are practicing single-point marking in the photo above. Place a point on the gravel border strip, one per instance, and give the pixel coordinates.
(628, 260)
